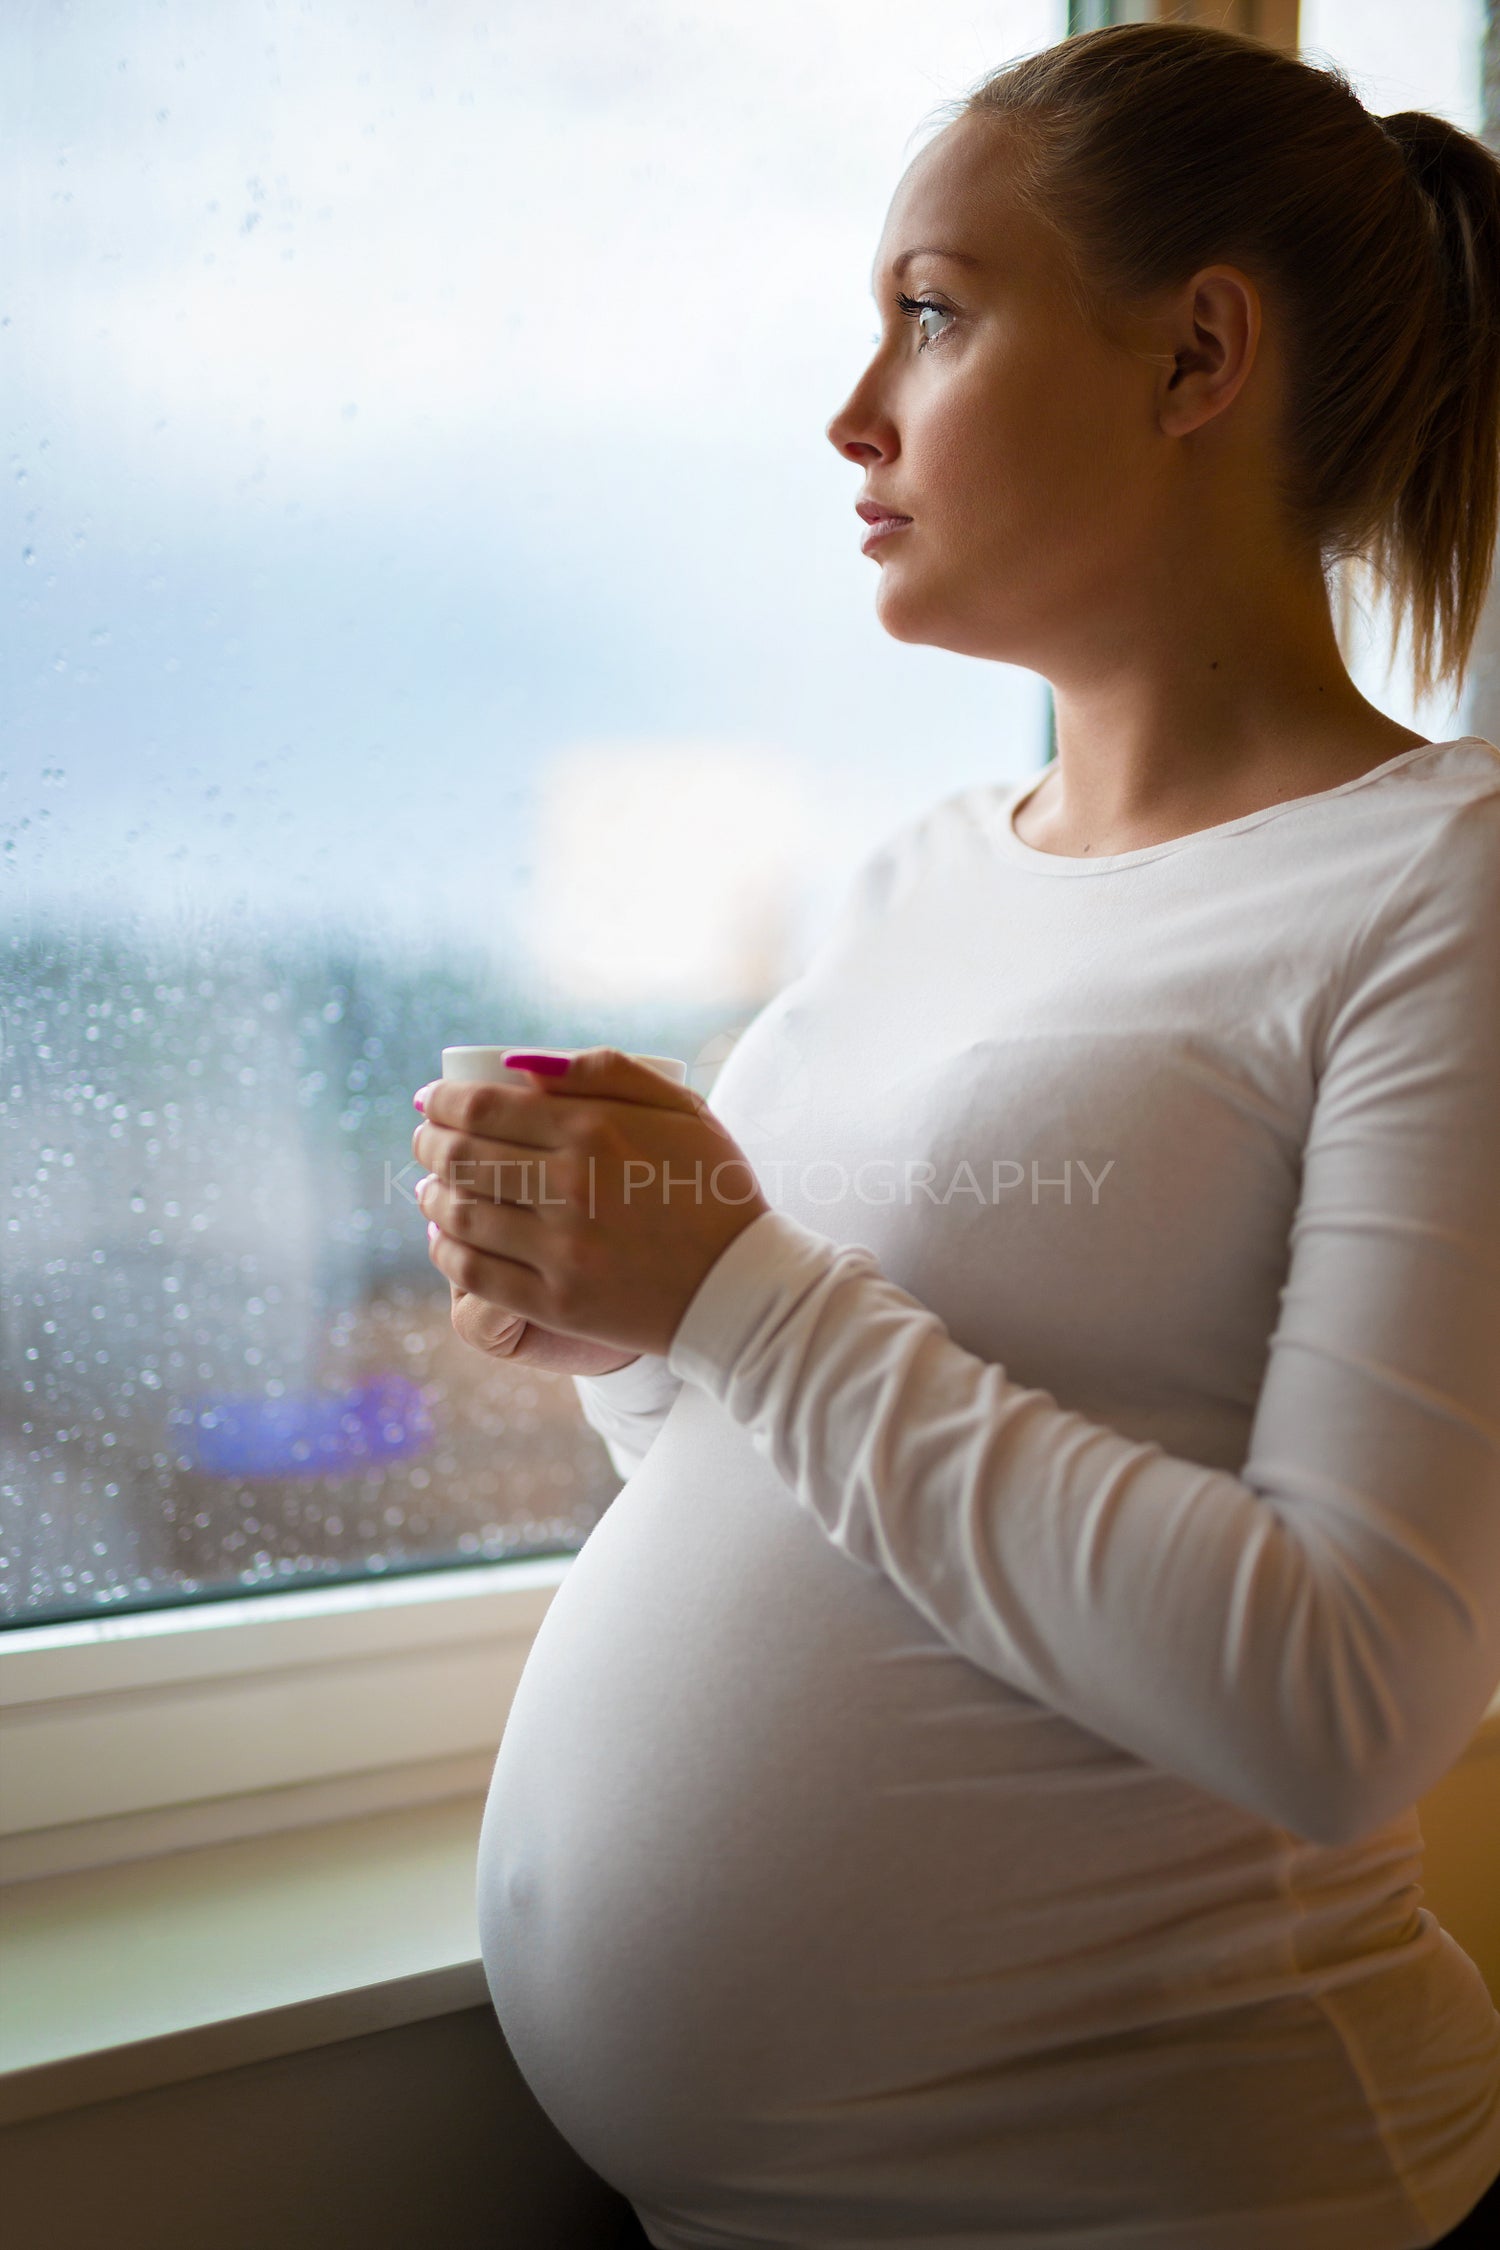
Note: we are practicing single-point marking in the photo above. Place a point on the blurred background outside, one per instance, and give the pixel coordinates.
(435, 614)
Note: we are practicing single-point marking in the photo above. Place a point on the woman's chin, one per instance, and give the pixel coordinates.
(903, 613)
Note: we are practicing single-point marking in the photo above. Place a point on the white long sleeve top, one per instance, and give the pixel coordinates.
(962, 1792)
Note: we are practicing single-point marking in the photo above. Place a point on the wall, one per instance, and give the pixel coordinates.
(424, 2138)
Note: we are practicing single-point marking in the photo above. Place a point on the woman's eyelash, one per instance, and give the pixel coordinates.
(913, 306)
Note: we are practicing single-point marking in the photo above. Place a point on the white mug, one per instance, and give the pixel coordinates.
(485, 1066)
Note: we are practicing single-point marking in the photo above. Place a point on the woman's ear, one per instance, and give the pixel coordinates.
(1210, 340)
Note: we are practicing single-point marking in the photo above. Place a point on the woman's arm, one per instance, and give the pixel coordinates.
(628, 1406)
(1315, 1639)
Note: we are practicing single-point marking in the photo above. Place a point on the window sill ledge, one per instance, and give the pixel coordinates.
(149, 1972)
(153, 1971)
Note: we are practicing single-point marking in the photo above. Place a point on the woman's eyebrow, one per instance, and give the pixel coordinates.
(899, 265)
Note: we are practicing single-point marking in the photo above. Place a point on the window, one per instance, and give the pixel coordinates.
(436, 615)
(439, 618)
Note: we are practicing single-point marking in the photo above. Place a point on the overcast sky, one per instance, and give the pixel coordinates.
(407, 401)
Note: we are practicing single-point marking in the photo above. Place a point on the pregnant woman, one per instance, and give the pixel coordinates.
(962, 1793)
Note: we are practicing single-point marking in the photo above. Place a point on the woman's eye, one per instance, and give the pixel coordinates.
(917, 309)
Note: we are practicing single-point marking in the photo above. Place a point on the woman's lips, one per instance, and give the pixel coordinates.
(882, 529)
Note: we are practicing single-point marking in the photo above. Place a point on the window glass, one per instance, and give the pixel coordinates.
(435, 615)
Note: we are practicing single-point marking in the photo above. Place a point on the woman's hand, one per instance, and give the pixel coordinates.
(591, 1204)
(503, 1335)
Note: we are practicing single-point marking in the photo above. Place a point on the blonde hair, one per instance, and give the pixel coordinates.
(1154, 149)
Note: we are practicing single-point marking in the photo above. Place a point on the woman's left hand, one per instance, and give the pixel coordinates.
(593, 1202)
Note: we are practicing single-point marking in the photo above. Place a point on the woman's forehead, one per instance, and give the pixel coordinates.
(955, 197)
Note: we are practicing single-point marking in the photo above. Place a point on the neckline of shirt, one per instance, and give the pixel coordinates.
(1059, 863)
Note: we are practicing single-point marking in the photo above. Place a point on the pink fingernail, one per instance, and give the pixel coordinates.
(550, 1066)
(419, 1098)
(432, 1232)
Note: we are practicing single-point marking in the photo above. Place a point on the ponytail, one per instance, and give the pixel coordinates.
(1436, 548)
(1153, 149)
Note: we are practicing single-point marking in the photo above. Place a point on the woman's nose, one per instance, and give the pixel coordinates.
(840, 434)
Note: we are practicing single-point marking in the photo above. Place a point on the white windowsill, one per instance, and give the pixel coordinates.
(240, 1829)
(153, 1971)
(130, 1736)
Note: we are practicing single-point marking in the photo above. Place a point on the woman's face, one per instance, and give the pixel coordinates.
(1023, 446)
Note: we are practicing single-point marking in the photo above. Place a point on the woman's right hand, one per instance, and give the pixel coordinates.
(510, 1336)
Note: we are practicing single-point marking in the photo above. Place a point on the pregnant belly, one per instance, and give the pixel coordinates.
(768, 1875)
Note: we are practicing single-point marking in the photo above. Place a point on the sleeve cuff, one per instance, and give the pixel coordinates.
(768, 1267)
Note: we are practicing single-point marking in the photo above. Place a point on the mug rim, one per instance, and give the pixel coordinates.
(511, 1047)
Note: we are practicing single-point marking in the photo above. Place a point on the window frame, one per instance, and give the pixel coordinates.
(125, 1736)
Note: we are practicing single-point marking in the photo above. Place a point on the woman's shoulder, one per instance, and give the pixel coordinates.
(1416, 836)
(954, 823)
(1442, 812)
(900, 859)
(1463, 770)
(1432, 923)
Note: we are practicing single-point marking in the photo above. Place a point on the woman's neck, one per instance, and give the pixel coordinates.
(1232, 717)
